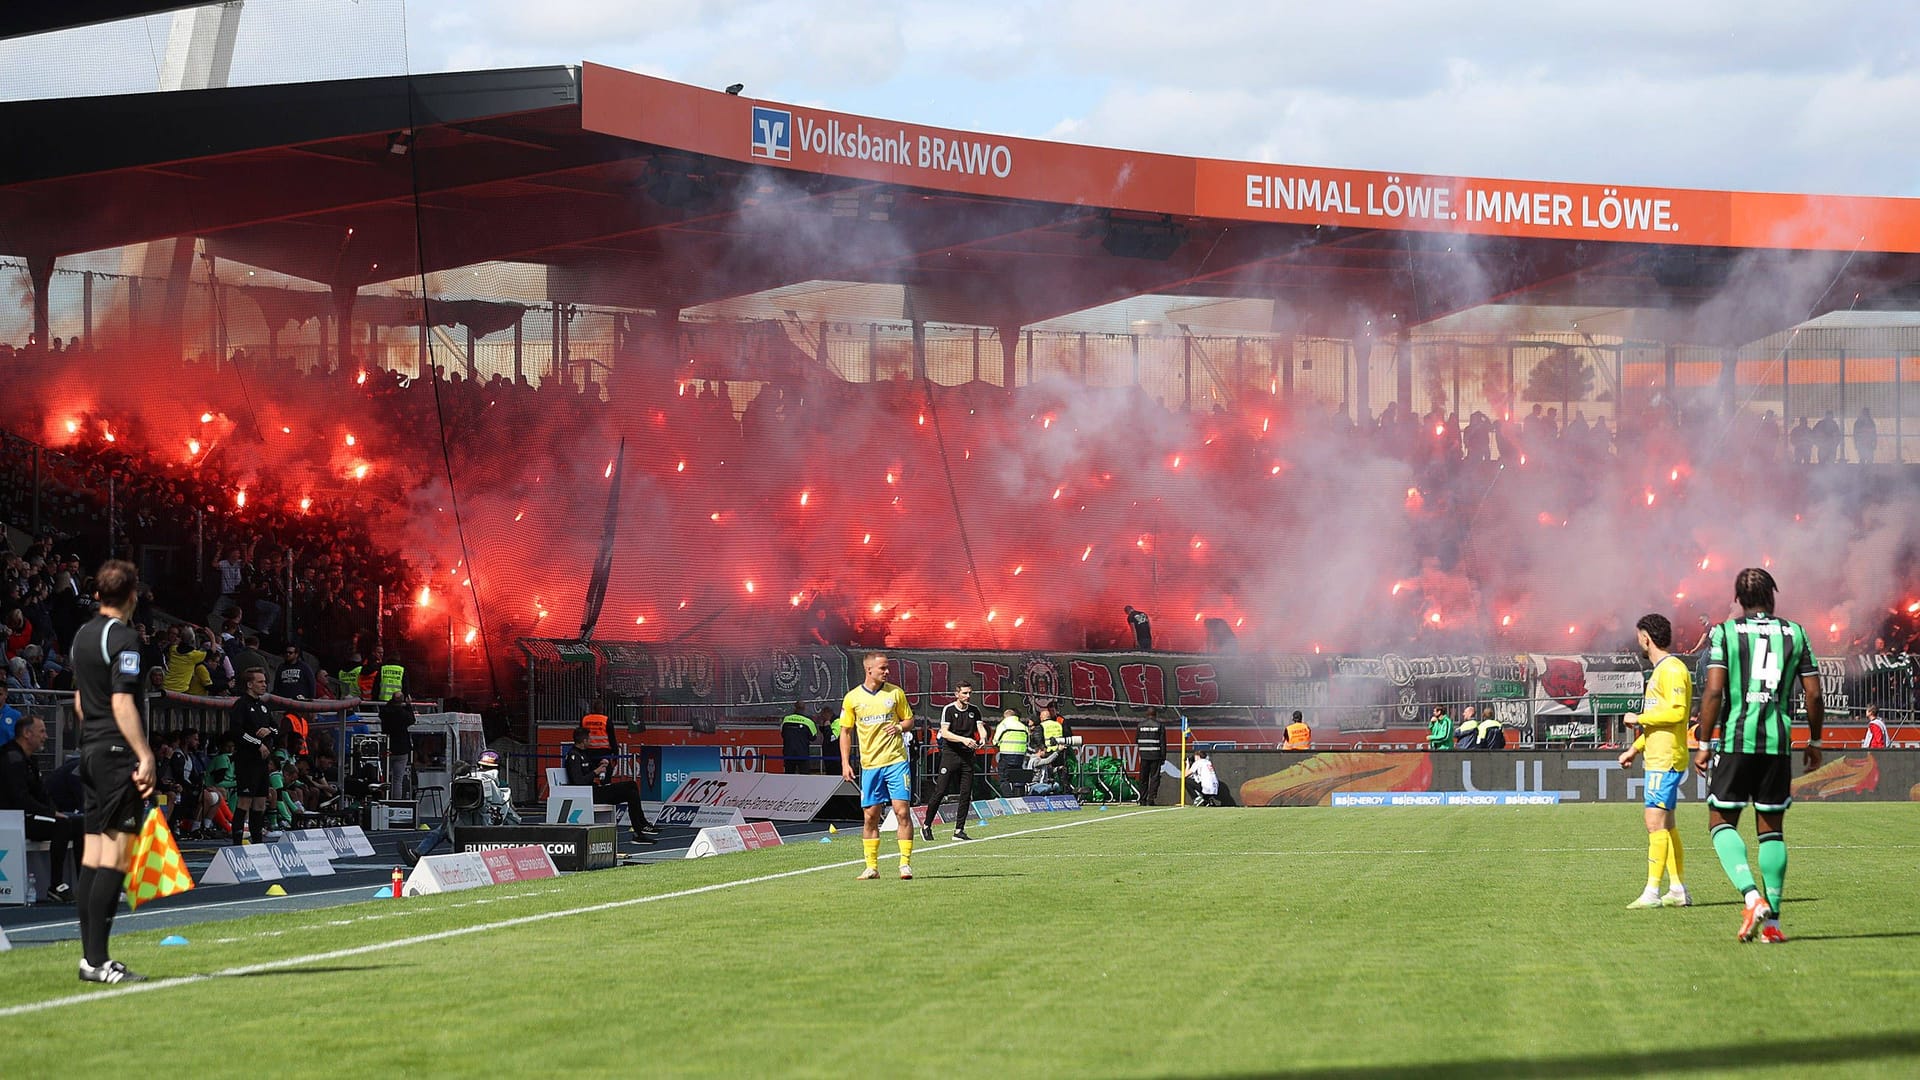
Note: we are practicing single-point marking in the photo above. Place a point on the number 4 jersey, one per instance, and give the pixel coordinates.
(1764, 658)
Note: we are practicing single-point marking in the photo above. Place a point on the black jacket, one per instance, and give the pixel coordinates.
(20, 786)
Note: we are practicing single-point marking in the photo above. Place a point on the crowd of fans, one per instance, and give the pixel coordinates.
(288, 517)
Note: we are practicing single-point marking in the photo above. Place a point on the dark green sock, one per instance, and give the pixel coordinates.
(1773, 867)
(1733, 857)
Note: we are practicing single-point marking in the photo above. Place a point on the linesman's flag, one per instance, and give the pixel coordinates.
(157, 869)
(1184, 729)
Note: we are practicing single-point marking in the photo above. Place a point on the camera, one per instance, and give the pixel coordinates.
(1074, 740)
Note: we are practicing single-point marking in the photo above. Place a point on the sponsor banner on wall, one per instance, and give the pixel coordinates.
(773, 796)
(1275, 778)
(1445, 798)
(573, 847)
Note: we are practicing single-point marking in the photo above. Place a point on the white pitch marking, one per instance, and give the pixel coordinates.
(523, 920)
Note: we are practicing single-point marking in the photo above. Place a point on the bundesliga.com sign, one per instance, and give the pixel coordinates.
(775, 132)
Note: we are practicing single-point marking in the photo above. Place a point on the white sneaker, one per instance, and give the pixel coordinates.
(868, 874)
(1676, 897)
(906, 872)
(1648, 899)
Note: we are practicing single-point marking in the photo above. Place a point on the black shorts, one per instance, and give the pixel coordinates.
(249, 774)
(1765, 780)
(113, 804)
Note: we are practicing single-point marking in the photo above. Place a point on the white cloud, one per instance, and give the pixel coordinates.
(1767, 94)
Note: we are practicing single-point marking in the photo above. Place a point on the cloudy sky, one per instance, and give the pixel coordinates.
(1760, 94)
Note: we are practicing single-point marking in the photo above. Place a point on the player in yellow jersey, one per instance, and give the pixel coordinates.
(876, 712)
(1663, 738)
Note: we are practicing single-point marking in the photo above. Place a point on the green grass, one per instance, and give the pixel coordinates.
(1283, 942)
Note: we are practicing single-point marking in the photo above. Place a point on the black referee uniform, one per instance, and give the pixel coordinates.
(250, 765)
(106, 663)
(956, 764)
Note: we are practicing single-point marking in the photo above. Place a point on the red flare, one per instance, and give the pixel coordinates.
(867, 539)
(1017, 569)
(1571, 630)
(471, 634)
(794, 599)
(306, 504)
(193, 447)
(1434, 618)
(905, 615)
(715, 516)
(206, 418)
(1397, 586)
(951, 623)
(286, 431)
(1649, 498)
(1506, 620)
(1057, 491)
(1705, 561)
(349, 438)
(359, 472)
(519, 515)
(426, 595)
(240, 498)
(1084, 555)
(1545, 518)
(1674, 475)
(1019, 622)
(682, 467)
(991, 614)
(803, 497)
(889, 478)
(1913, 607)
(1176, 461)
(749, 586)
(608, 475)
(1197, 614)
(876, 607)
(360, 379)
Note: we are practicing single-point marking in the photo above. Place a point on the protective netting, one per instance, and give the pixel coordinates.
(399, 375)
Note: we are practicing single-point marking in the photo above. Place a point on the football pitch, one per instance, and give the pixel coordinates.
(1421, 942)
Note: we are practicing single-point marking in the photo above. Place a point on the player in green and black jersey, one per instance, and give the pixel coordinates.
(1753, 662)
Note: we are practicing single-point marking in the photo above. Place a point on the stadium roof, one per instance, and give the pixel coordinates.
(643, 193)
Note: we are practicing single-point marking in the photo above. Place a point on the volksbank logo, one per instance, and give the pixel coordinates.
(776, 130)
(772, 136)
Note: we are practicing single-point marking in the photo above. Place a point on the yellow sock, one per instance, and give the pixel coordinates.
(906, 851)
(871, 848)
(1656, 857)
(1676, 859)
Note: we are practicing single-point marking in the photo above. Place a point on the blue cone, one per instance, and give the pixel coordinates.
(384, 892)
(173, 939)
(826, 839)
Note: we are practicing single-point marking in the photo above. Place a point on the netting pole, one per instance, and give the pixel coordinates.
(976, 354)
(1899, 414)
(199, 542)
(112, 540)
(86, 307)
(519, 356)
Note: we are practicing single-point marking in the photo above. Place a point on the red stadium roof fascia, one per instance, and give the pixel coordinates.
(812, 140)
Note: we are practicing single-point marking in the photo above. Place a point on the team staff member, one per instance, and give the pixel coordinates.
(1663, 727)
(253, 728)
(116, 764)
(1150, 742)
(962, 731)
(589, 768)
(21, 789)
(876, 712)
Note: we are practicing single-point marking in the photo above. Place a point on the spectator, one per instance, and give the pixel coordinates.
(1440, 729)
(1800, 442)
(1467, 736)
(1866, 437)
(182, 659)
(295, 679)
(396, 723)
(1826, 440)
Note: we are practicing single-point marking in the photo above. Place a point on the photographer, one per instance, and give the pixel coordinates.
(587, 767)
(493, 807)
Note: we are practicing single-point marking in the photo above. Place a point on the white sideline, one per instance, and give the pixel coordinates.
(421, 939)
